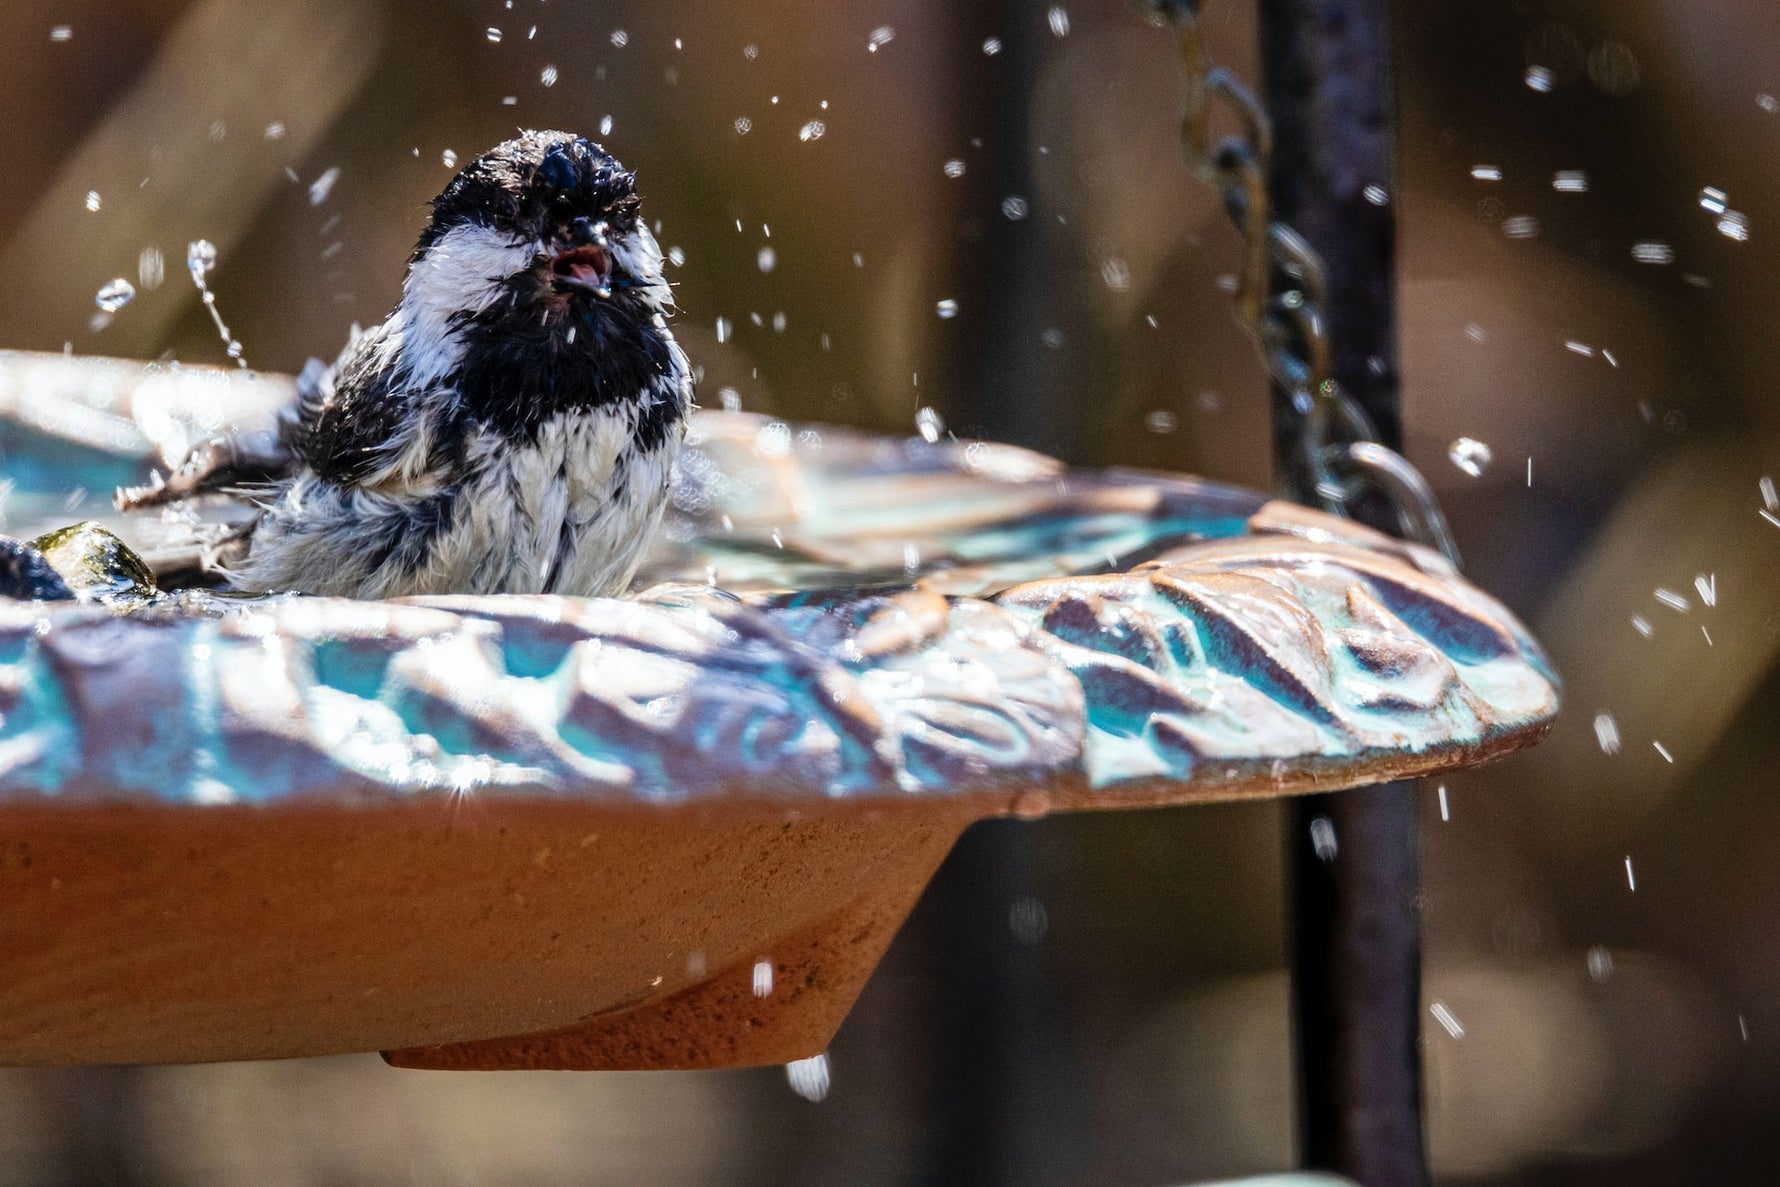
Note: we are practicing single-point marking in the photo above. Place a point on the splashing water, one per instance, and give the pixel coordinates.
(809, 1077)
(1059, 21)
(321, 187)
(882, 35)
(812, 131)
(929, 425)
(200, 260)
(115, 294)
(1470, 455)
(151, 268)
(448, 158)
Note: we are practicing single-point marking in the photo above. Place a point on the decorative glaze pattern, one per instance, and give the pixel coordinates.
(833, 614)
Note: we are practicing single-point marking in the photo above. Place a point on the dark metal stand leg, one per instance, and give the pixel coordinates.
(1352, 857)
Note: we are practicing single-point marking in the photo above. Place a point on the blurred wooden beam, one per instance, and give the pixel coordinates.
(184, 156)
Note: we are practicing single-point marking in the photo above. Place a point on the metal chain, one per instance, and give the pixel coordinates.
(1281, 292)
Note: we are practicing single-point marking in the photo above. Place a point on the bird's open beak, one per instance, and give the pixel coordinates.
(587, 267)
(585, 261)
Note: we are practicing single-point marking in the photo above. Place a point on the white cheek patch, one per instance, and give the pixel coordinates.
(639, 255)
(461, 273)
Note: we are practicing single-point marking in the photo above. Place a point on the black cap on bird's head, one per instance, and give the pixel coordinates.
(562, 192)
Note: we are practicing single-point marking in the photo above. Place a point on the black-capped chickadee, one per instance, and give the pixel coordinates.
(512, 425)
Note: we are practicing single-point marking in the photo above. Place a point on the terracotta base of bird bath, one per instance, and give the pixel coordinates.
(465, 935)
(679, 830)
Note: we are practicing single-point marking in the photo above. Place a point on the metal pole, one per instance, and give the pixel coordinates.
(1352, 858)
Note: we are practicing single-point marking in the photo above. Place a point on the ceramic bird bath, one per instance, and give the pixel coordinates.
(676, 830)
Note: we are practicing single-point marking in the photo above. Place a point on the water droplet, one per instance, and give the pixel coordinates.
(1161, 421)
(929, 425)
(947, 308)
(812, 131)
(1600, 964)
(1768, 103)
(676, 256)
(321, 187)
(275, 131)
(1028, 920)
(200, 259)
(1014, 207)
(750, 52)
(1487, 172)
(809, 1077)
(773, 439)
(548, 78)
(93, 201)
(1713, 200)
(1377, 195)
(448, 158)
(768, 259)
(763, 978)
(742, 125)
(1734, 224)
(953, 168)
(1614, 68)
(1540, 79)
(1116, 273)
(494, 34)
(911, 560)
(882, 35)
(151, 268)
(115, 295)
(1322, 839)
(1653, 251)
(605, 125)
(730, 399)
(61, 33)
(620, 38)
(992, 46)
(1521, 226)
(1570, 181)
(1470, 455)
(1052, 338)
(1059, 21)
(1607, 733)
(723, 329)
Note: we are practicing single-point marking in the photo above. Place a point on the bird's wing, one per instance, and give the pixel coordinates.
(220, 465)
(345, 424)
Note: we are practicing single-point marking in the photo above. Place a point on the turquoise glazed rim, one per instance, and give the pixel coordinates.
(826, 614)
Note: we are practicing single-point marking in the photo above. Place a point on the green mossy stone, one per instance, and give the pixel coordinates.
(96, 564)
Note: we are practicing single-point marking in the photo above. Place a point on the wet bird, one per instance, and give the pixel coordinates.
(509, 429)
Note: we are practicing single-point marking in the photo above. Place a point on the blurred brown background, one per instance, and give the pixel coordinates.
(1079, 1000)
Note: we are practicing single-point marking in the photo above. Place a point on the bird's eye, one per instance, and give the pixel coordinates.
(557, 171)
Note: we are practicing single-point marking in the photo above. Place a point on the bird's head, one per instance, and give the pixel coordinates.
(545, 227)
